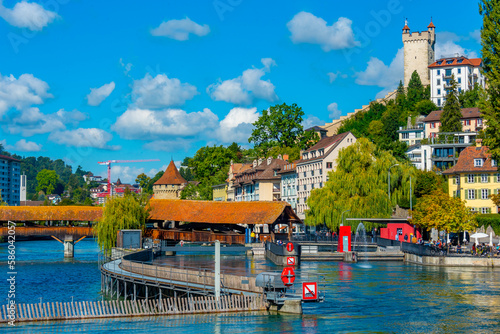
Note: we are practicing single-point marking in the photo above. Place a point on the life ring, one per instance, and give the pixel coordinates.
(182, 243)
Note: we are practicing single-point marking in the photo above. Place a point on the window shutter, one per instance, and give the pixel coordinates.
(489, 192)
(489, 210)
(454, 180)
(475, 194)
(454, 193)
(489, 179)
(466, 194)
(475, 179)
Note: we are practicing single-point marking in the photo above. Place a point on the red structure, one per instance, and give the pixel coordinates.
(344, 237)
(403, 229)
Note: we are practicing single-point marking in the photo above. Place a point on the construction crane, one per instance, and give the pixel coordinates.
(109, 162)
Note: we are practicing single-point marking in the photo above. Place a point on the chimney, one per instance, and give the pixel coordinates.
(478, 142)
(285, 157)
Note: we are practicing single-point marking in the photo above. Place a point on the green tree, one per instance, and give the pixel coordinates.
(148, 189)
(127, 212)
(415, 92)
(450, 118)
(440, 211)
(427, 182)
(281, 126)
(401, 101)
(490, 41)
(470, 98)
(425, 107)
(143, 180)
(47, 181)
(360, 184)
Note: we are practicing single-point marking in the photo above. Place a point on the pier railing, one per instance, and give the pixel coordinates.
(140, 263)
(129, 308)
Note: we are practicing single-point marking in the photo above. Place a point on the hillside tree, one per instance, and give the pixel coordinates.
(450, 118)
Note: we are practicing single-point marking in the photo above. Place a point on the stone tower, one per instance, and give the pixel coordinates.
(169, 186)
(418, 52)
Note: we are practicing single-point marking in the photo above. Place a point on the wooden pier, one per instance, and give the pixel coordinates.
(129, 308)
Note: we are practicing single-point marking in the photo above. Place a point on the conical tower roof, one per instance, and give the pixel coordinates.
(171, 176)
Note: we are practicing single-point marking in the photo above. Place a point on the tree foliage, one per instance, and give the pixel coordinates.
(281, 126)
(415, 92)
(127, 212)
(450, 118)
(469, 98)
(490, 41)
(360, 184)
(425, 107)
(47, 181)
(440, 211)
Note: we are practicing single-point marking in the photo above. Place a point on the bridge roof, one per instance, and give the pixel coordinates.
(216, 212)
(32, 213)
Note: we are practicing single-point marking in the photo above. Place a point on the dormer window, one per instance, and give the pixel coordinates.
(493, 163)
(304, 156)
(478, 162)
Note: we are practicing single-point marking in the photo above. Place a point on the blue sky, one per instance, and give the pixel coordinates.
(88, 81)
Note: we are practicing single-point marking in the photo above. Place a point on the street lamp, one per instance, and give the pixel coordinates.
(389, 183)
(342, 217)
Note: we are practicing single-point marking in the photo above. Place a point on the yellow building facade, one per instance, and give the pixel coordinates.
(219, 192)
(474, 179)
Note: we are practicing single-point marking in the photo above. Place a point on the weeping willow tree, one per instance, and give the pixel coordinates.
(127, 212)
(359, 185)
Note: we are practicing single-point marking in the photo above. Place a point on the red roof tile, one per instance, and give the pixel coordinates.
(171, 176)
(6, 157)
(32, 213)
(465, 61)
(466, 113)
(465, 161)
(215, 212)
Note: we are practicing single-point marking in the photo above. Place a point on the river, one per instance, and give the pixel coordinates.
(382, 297)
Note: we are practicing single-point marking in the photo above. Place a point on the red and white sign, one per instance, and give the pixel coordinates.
(290, 261)
(310, 291)
(288, 276)
(289, 247)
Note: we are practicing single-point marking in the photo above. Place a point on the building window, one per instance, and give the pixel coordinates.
(439, 91)
(439, 102)
(312, 186)
(405, 135)
(457, 179)
(305, 174)
(471, 193)
(312, 173)
(493, 163)
(484, 178)
(470, 178)
(479, 122)
(459, 89)
(439, 73)
(320, 171)
(485, 210)
(305, 186)
(484, 194)
(328, 165)
(478, 162)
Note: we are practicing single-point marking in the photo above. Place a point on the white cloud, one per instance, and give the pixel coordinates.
(381, 75)
(311, 121)
(333, 108)
(84, 137)
(32, 122)
(21, 93)
(334, 76)
(446, 44)
(173, 145)
(27, 15)
(476, 35)
(150, 124)
(307, 28)
(160, 91)
(180, 29)
(97, 95)
(237, 125)
(22, 146)
(247, 87)
(126, 174)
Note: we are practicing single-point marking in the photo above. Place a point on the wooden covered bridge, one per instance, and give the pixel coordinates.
(197, 221)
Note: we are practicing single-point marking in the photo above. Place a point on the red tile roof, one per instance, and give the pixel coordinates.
(465, 161)
(466, 113)
(171, 176)
(263, 171)
(465, 61)
(327, 142)
(32, 213)
(216, 212)
(431, 25)
(6, 157)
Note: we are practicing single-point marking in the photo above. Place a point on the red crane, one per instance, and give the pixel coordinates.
(109, 162)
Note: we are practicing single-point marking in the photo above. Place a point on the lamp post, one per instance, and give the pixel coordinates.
(342, 217)
(389, 183)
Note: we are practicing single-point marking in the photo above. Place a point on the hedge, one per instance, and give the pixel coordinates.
(492, 219)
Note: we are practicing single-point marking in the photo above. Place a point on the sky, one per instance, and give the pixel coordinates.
(91, 81)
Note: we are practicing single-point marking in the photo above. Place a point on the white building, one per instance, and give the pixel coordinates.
(316, 162)
(10, 180)
(467, 73)
(289, 184)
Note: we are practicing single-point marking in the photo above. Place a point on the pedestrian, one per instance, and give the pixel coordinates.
(397, 236)
(252, 237)
(406, 237)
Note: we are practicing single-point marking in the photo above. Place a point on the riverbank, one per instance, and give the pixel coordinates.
(453, 261)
